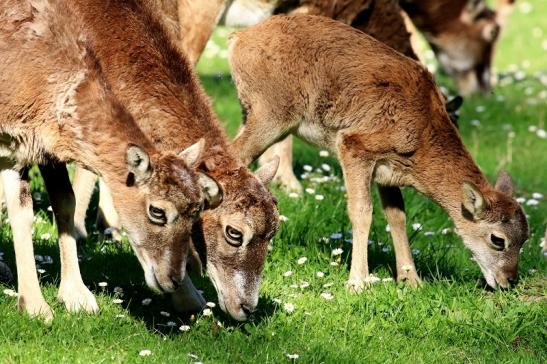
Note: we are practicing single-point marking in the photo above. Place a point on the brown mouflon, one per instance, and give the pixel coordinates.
(384, 118)
(152, 78)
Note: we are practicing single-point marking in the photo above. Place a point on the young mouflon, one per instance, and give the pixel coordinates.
(384, 118)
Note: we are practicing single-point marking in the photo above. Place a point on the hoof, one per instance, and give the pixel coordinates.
(77, 297)
(356, 286)
(409, 277)
(37, 308)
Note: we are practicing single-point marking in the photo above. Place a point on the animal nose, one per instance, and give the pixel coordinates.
(248, 309)
(513, 280)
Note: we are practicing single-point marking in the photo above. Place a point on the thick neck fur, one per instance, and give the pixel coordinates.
(159, 87)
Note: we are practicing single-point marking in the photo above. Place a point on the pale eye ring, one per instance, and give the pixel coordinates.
(234, 237)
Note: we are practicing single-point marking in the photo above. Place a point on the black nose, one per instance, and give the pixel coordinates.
(513, 281)
(248, 309)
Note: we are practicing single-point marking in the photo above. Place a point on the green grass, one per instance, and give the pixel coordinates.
(450, 319)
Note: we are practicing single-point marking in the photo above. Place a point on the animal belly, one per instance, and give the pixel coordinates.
(17, 153)
(316, 135)
(386, 175)
(245, 13)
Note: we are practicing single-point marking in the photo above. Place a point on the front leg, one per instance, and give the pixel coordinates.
(394, 208)
(257, 133)
(358, 171)
(19, 205)
(72, 290)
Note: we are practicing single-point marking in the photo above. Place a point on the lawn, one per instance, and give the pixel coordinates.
(305, 314)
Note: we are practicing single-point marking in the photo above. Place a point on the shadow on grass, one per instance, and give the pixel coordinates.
(115, 264)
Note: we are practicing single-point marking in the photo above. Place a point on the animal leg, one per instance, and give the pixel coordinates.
(19, 205)
(72, 290)
(394, 208)
(285, 176)
(357, 179)
(257, 134)
(107, 217)
(83, 184)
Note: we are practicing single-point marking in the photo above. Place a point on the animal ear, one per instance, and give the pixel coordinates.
(211, 190)
(266, 173)
(192, 154)
(138, 162)
(454, 104)
(473, 200)
(504, 184)
(490, 31)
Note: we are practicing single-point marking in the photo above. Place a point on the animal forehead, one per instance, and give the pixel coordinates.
(175, 180)
(508, 215)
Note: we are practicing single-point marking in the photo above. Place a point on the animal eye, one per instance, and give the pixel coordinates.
(157, 215)
(497, 242)
(234, 237)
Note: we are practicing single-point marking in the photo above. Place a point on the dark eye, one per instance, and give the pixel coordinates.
(497, 242)
(233, 236)
(157, 215)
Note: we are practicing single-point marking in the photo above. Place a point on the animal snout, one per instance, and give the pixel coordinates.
(175, 281)
(513, 280)
(248, 309)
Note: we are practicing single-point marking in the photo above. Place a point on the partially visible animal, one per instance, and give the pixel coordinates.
(56, 107)
(463, 34)
(382, 19)
(384, 118)
(152, 78)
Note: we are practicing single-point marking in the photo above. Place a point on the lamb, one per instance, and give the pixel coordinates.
(383, 116)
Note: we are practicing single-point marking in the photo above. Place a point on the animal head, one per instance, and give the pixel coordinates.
(494, 229)
(233, 238)
(162, 199)
(465, 48)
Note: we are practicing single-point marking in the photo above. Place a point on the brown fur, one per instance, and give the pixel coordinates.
(56, 103)
(156, 83)
(383, 116)
(463, 34)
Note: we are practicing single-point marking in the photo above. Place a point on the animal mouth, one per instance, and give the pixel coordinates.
(152, 281)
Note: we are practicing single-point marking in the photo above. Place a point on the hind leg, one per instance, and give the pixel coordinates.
(72, 290)
(394, 208)
(107, 216)
(82, 185)
(19, 205)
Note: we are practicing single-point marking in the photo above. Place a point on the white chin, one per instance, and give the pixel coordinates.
(490, 280)
(151, 280)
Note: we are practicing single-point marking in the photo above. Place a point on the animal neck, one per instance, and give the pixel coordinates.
(100, 132)
(159, 87)
(445, 165)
